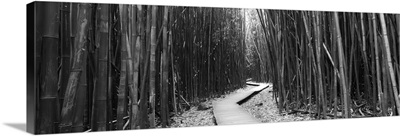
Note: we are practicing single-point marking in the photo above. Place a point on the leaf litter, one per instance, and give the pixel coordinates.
(261, 106)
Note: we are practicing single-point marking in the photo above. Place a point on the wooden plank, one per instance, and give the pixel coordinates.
(252, 84)
(228, 111)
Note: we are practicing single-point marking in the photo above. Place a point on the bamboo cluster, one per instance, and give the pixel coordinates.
(209, 43)
(332, 65)
(113, 67)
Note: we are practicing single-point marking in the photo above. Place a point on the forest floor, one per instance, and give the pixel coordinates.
(261, 106)
(196, 117)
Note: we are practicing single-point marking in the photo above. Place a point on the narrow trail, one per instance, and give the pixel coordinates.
(228, 111)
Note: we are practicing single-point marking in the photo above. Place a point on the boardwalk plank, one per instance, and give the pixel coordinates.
(228, 111)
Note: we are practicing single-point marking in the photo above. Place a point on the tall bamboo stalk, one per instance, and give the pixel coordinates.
(145, 59)
(335, 61)
(398, 53)
(153, 66)
(172, 64)
(365, 57)
(377, 63)
(164, 77)
(121, 109)
(133, 75)
(65, 43)
(99, 107)
(389, 62)
(84, 16)
(318, 52)
(209, 52)
(79, 107)
(341, 67)
(48, 112)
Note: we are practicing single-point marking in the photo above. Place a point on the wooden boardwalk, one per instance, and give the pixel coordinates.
(228, 111)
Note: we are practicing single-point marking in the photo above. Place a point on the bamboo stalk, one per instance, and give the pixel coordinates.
(99, 107)
(318, 52)
(152, 66)
(77, 67)
(335, 60)
(389, 62)
(164, 77)
(47, 33)
(65, 42)
(365, 58)
(145, 60)
(171, 46)
(378, 71)
(341, 67)
(133, 81)
(78, 113)
(398, 53)
(121, 109)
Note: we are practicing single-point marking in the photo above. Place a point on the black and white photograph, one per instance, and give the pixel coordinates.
(97, 67)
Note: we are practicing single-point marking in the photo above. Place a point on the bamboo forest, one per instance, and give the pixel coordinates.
(104, 67)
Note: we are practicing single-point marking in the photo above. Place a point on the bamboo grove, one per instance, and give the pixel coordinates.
(105, 67)
(329, 64)
(108, 67)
